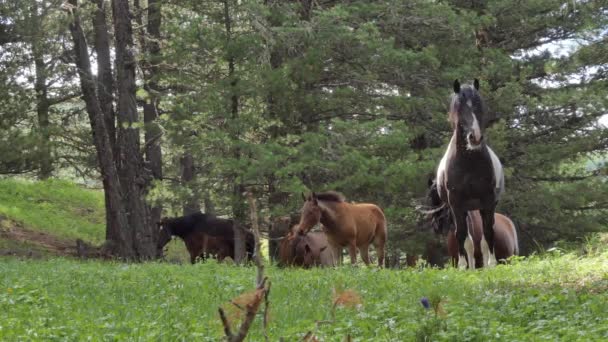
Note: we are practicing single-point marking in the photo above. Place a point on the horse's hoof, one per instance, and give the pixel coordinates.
(462, 263)
(492, 261)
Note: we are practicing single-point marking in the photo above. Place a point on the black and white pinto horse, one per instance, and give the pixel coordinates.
(470, 175)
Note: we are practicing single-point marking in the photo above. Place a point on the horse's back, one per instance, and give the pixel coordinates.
(370, 220)
(506, 234)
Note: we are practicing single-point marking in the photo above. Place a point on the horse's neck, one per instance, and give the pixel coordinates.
(328, 214)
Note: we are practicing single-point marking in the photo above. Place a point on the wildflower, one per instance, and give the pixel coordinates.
(425, 302)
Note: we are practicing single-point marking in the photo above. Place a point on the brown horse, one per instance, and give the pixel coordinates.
(346, 224)
(305, 250)
(505, 238)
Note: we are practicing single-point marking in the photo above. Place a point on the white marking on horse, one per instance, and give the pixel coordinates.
(442, 165)
(470, 249)
(462, 262)
(499, 176)
(476, 134)
(489, 259)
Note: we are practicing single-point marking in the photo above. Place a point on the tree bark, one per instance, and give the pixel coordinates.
(105, 86)
(42, 109)
(238, 204)
(191, 204)
(105, 79)
(153, 152)
(117, 240)
(130, 160)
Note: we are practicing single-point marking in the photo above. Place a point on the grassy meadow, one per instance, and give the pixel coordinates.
(550, 297)
(540, 299)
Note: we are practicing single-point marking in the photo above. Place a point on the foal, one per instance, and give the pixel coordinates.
(346, 224)
(470, 175)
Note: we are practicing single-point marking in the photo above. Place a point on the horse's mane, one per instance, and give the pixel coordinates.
(331, 196)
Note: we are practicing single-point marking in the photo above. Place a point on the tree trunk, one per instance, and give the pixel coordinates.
(42, 109)
(105, 85)
(105, 79)
(191, 205)
(45, 161)
(153, 133)
(238, 203)
(130, 160)
(117, 240)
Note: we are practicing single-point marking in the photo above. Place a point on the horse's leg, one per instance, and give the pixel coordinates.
(365, 254)
(487, 240)
(352, 251)
(379, 245)
(470, 247)
(465, 243)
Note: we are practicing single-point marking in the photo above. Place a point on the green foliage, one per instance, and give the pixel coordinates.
(60, 208)
(548, 298)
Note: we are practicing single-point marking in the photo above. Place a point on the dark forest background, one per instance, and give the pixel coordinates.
(178, 106)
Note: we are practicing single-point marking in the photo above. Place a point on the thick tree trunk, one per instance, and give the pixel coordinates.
(118, 241)
(131, 161)
(105, 86)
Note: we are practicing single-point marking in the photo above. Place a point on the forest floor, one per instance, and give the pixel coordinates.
(45, 294)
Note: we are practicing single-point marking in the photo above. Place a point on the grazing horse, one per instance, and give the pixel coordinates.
(203, 234)
(346, 224)
(305, 250)
(505, 233)
(470, 175)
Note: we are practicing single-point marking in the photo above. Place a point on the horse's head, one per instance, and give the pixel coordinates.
(440, 214)
(311, 213)
(467, 112)
(306, 252)
(164, 234)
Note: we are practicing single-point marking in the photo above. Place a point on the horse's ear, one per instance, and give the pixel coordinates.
(456, 86)
(476, 84)
(303, 197)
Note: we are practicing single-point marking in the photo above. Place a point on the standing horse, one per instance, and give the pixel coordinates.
(305, 250)
(505, 233)
(202, 234)
(346, 225)
(470, 176)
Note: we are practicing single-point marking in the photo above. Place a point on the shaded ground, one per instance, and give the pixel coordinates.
(18, 240)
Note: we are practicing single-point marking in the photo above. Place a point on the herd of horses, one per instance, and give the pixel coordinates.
(462, 200)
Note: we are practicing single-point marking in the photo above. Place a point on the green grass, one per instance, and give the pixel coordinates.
(57, 207)
(540, 299)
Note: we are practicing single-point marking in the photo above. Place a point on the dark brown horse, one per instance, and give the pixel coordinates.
(305, 250)
(346, 224)
(470, 175)
(505, 233)
(203, 235)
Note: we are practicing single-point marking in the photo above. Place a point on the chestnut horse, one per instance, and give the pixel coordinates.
(346, 224)
(505, 233)
(203, 234)
(305, 250)
(470, 175)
